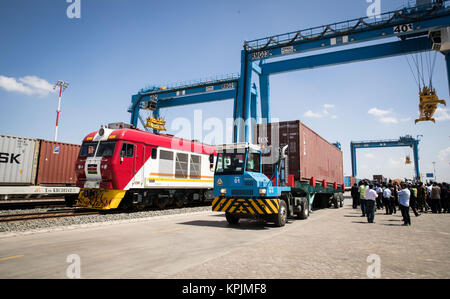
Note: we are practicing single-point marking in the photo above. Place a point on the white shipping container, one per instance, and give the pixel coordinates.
(18, 160)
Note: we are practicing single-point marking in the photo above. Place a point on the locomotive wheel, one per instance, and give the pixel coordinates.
(161, 203)
(179, 202)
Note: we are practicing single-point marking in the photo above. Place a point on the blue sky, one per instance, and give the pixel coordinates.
(118, 47)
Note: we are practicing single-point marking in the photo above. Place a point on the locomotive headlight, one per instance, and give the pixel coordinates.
(223, 191)
(80, 166)
(104, 166)
(262, 191)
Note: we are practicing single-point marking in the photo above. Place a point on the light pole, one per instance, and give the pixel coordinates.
(434, 169)
(62, 86)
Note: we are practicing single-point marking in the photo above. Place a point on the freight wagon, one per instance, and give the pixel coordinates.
(35, 167)
(288, 171)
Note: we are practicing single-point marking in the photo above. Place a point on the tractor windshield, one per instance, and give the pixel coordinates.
(230, 163)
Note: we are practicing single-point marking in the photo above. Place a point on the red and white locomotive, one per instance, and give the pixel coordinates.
(120, 166)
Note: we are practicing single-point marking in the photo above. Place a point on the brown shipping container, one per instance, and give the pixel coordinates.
(57, 163)
(310, 155)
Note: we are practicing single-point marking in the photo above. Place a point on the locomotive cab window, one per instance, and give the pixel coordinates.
(88, 149)
(127, 150)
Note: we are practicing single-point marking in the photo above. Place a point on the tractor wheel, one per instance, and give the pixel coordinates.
(304, 214)
(232, 219)
(281, 217)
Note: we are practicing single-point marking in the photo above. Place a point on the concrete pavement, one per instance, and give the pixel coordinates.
(330, 244)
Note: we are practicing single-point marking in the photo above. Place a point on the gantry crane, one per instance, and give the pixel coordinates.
(406, 141)
(415, 27)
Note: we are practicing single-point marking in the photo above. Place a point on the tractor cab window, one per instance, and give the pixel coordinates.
(88, 149)
(106, 149)
(253, 162)
(127, 150)
(230, 163)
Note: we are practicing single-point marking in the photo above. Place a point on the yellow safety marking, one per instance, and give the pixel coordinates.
(255, 205)
(214, 202)
(180, 180)
(173, 175)
(227, 205)
(265, 206)
(169, 230)
(232, 208)
(100, 199)
(251, 210)
(269, 202)
(11, 257)
(241, 210)
(277, 203)
(218, 206)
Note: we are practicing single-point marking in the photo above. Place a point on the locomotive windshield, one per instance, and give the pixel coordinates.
(88, 149)
(106, 149)
(230, 163)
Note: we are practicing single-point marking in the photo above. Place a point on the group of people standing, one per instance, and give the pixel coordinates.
(419, 197)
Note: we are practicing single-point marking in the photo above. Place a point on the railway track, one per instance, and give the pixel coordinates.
(31, 204)
(45, 215)
(72, 212)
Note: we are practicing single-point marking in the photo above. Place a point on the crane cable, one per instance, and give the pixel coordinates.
(419, 63)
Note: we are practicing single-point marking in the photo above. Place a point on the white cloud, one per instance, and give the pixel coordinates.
(388, 120)
(28, 85)
(324, 113)
(311, 114)
(386, 116)
(379, 112)
(444, 154)
(442, 114)
(392, 163)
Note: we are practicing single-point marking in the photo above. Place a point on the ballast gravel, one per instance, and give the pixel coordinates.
(45, 224)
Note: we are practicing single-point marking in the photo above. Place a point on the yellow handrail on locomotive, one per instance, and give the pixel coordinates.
(428, 104)
(156, 124)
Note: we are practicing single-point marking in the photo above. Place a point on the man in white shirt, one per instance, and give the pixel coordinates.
(371, 197)
(387, 193)
(379, 197)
